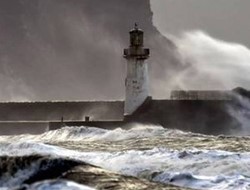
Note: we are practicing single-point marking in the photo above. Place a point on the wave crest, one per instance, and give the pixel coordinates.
(18, 170)
(97, 134)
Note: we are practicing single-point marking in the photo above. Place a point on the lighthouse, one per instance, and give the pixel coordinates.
(137, 81)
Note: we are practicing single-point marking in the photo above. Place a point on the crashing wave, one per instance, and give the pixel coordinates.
(196, 169)
(98, 134)
(15, 171)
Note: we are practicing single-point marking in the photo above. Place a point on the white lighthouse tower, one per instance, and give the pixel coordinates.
(137, 82)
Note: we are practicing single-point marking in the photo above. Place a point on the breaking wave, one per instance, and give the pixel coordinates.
(198, 169)
(98, 134)
(15, 171)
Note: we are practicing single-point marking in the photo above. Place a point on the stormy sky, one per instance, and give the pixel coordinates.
(72, 50)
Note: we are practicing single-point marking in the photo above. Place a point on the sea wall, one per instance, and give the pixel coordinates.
(200, 116)
(34, 117)
(55, 111)
(15, 127)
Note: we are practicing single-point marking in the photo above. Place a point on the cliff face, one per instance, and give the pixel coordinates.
(64, 49)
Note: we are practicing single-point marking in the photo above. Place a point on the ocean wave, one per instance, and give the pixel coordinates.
(97, 134)
(200, 162)
(209, 162)
(23, 157)
(15, 171)
(29, 148)
(194, 168)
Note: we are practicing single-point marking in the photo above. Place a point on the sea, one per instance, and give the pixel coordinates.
(151, 153)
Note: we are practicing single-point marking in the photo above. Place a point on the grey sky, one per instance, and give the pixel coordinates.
(224, 19)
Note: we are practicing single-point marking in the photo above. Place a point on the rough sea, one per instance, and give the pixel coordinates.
(162, 157)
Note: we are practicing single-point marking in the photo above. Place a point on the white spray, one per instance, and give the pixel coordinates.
(211, 64)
